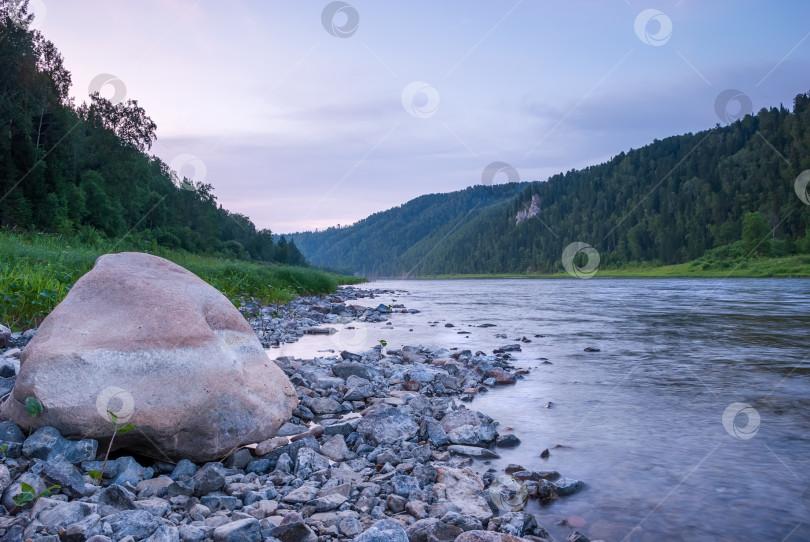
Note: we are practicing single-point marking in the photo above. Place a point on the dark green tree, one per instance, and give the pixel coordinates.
(756, 235)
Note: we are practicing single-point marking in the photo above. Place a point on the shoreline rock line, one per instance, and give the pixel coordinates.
(378, 447)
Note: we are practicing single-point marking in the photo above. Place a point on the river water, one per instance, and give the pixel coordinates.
(692, 422)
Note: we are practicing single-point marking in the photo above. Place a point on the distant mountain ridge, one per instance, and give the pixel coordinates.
(667, 202)
(385, 243)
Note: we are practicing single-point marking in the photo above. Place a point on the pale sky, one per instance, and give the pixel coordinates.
(305, 114)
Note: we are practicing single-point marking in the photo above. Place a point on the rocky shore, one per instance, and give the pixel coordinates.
(379, 449)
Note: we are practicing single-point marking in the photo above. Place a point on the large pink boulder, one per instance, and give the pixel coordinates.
(155, 344)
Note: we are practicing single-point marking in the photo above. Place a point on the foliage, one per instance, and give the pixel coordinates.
(383, 243)
(755, 234)
(29, 494)
(83, 170)
(37, 271)
(123, 430)
(666, 203)
(33, 406)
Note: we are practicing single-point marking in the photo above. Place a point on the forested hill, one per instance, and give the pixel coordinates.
(84, 170)
(667, 202)
(383, 242)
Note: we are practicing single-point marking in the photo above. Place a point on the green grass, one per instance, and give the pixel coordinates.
(723, 262)
(37, 271)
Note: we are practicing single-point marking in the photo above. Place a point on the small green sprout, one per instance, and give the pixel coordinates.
(123, 430)
(33, 406)
(383, 342)
(29, 494)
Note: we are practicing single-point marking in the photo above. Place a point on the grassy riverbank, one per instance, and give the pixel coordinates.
(37, 270)
(724, 262)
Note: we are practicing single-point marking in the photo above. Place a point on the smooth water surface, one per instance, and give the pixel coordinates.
(641, 421)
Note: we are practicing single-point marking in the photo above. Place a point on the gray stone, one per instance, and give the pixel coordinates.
(432, 530)
(198, 512)
(156, 486)
(285, 464)
(457, 418)
(324, 405)
(87, 529)
(239, 459)
(568, 486)
(507, 441)
(259, 466)
(347, 369)
(425, 474)
(395, 503)
(180, 488)
(135, 523)
(341, 428)
(309, 461)
(577, 536)
(54, 514)
(303, 494)
(487, 536)
(211, 477)
(5, 336)
(130, 471)
(472, 451)
(64, 474)
(350, 526)
(358, 389)
(518, 524)
(293, 448)
(465, 522)
(155, 506)
(5, 478)
(243, 530)
(329, 502)
(6, 382)
(220, 502)
(335, 448)
(293, 529)
(386, 425)
(184, 469)
(190, 533)
(290, 429)
(46, 443)
(463, 488)
(546, 490)
(12, 438)
(434, 432)
(386, 530)
(404, 485)
(165, 533)
(116, 498)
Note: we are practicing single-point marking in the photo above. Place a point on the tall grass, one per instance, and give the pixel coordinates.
(37, 271)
